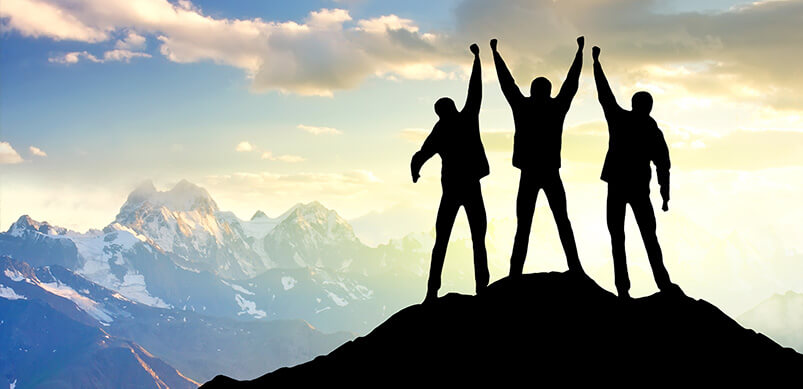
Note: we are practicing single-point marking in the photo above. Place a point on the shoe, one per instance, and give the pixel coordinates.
(672, 290)
(578, 274)
(431, 297)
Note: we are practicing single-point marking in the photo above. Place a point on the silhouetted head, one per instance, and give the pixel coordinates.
(541, 88)
(642, 102)
(445, 107)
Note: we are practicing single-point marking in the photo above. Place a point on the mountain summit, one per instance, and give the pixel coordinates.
(548, 328)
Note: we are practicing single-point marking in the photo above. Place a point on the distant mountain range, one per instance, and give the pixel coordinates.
(51, 314)
(780, 317)
(193, 285)
(176, 249)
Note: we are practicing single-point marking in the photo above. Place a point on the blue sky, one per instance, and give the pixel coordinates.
(112, 93)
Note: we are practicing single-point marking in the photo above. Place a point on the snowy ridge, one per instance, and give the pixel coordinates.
(25, 225)
(186, 221)
(50, 284)
(103, 251)
(9, 294)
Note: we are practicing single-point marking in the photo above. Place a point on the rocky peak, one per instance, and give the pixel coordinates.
(259, 215)
(183, 197)
(25, 223)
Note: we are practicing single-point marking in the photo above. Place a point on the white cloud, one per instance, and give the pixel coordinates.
(73, 57)
(244, 146)
(41, 19)
(116, 55)
(325, 52)
(283, 158)
(123, 55)
(37, 151)
(316, 184)
(316, 130)
(132, 41)
(748, 46)
(8, 155)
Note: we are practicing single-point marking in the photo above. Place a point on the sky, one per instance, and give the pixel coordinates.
(267, 104)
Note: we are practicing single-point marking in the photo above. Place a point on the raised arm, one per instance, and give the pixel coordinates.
(604, 93)
(662, 164)
(509, 88)
(428, 150)
(474, 97)
(569, 88)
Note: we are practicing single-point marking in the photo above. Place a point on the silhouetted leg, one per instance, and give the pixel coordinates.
(477, 221)
(557, 201)
(447, 211)
(645, 217)
(525, 207)
(616, 226)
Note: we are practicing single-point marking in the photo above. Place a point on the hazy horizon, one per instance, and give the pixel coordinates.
(269, 105)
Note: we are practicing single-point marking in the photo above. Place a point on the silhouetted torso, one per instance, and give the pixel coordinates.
(634, 141)
(457, 141)
(539, 130)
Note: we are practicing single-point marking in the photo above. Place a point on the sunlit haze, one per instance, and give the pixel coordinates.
(274, 103)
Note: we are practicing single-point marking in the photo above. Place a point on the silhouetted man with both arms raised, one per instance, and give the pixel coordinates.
(536, 152)
(634, 141)
(456, 138)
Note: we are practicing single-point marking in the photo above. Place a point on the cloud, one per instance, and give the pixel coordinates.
(326, 51)
(309, 183)
(744, 53)
(696, 149)
(132, 41)
(244, 146)
(8, 155)
(123, 55)
(41, 19)
(116, 55)
(283, 158)
(37, 151)
(318, 130)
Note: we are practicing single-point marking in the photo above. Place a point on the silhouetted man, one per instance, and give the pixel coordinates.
(634, 141)
(456, 137)
(536, 152)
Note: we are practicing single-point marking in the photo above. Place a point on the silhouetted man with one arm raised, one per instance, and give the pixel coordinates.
(634, 141)
(536, 152)
(456, 137)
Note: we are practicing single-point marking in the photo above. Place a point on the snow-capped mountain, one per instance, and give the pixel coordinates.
(186, 221)
(310, 235)
(54, 335)
(176, 249)
(39, 243)
(198, 345)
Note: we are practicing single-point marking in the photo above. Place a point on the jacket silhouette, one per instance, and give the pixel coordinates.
(536, 152)
(456, 138)
(634, 141)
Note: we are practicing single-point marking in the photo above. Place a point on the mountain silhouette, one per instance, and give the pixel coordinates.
(549, 328)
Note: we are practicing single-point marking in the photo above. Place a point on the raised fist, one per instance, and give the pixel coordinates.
(474, 49)
(595, 53)
(493, 44)
(581, 41)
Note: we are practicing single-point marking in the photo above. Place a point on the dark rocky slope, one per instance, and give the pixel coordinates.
(549, 328)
